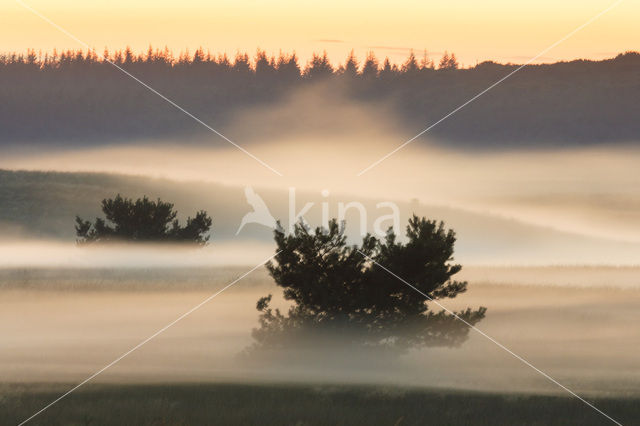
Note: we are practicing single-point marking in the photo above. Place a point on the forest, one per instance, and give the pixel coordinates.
(81, 97)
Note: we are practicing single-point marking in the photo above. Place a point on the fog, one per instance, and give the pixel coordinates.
(585, 338)
(507, 208)
(55, 254)
(67, 311)
(320, 140)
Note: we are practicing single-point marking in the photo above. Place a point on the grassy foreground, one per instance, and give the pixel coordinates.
(235, 404)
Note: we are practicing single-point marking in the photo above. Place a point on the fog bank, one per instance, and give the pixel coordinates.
(52, 254)
(585, 338)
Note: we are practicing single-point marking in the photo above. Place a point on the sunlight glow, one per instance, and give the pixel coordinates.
(476, 31)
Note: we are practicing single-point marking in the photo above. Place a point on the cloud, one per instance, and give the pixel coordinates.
(393, 48)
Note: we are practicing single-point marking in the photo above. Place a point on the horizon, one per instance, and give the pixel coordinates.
(495, 30)
(424, 59)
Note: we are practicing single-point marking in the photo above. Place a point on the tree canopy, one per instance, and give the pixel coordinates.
(142, 220)
(337, 288)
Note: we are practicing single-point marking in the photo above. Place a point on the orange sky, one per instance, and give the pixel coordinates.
(500, 30)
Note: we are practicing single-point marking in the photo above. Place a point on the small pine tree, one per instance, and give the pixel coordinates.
(288, 67)
(318, 67)
(198, 56)
(411, 64)
(426, 63)
(142, 221)
(448, 62)
(351, 66)
(453, 62)
(370, 67)
(387, 70)
(242, 64)
(128, 56)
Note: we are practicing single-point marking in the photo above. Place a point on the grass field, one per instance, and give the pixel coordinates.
(237, 404)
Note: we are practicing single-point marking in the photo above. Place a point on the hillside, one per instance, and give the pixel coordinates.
(76, 99)
(43, 205)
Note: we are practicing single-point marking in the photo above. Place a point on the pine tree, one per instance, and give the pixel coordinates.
(318, 67)
(448, 62)
(426, 63)
(411, 64)
(341, 290)
(350, 68)
(142, 220)
(370, 67)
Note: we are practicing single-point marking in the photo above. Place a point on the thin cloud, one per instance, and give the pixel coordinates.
(524, 57)
(407, 50)
(393, 48)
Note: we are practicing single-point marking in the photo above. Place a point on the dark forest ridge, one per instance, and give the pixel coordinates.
(242, 60)
(78, 98)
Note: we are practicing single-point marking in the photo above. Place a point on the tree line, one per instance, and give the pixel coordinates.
(76, 97)
(287, 64)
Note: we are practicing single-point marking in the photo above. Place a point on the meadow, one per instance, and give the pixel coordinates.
(244, 404)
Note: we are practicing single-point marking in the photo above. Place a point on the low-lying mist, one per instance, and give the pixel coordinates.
(56, 254)
(321, 140)
(583, 337)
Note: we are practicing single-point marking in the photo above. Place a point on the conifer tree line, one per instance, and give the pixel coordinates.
(77, 97)
(260, 63)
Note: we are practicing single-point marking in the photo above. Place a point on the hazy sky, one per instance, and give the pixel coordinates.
(492, 29)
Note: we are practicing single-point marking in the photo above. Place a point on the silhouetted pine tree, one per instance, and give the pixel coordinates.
(142, 221)
(448, 62)
(288, 68)
(242, 65)
(426, 63)
(370, 67)
(410, 67)
(340, 292)
(319, 67)
(388, 71)
(350, 68)
(264, 66)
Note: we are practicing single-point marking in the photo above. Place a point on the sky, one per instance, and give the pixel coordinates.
(499, 30)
